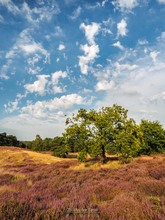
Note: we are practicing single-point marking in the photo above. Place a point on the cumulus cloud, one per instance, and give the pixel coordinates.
(11, 106)
(47, 83)
(46, 109)
(104, 85)
(57, 75)
(61, 47)
(127, 5)
(91, 53)
(90, 31)
(118, 45)
(39, 86)
(55, 80)
(154, 55)
(122, 28)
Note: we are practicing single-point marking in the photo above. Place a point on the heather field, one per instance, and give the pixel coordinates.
(40, 186)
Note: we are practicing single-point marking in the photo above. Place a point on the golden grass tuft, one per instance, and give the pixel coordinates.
(98, 165)
(15, 156)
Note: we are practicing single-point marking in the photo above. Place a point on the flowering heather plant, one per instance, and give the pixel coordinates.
(58, 191)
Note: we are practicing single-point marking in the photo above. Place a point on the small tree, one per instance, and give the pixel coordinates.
(128, 141)
(154, 137)
(59, 147)
(37, 144)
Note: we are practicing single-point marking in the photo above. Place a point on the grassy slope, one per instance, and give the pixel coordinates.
(40, 186)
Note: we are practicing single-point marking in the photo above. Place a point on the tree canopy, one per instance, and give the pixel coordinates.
(92, 132)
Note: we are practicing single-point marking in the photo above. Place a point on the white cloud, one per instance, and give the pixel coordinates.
(161, 37)
(4, 70)
(10, 6)
(90, 55)
(57, 60)
(46, 109)
(33, 60)
(161, 1)
(76, 13)
(31, 48)
(39, 86)
(106, 31)
(34, 70)
(25, 44)
(142, 42)
(154, 55)
(90, 51)
(58, 31)
(39, 14)
(57, 89)
(125, 67)
(11, 106)
(127, 5)
(104, 85)
(86, 91)
(122, 28)
(159, 96)
(57, 75)
(139, 83)
(55, 81)
(90, 31)
(61, 47)
(104, 3)
(44, 85)
(96, 5)
(118, 45)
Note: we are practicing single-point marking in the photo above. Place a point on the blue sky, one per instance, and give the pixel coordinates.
(57, 56)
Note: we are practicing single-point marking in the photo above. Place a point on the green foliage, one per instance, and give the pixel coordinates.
(60, 149)
(37, 144)
(154, 137)
(8, 140)
(82, 156)
(128, 141)
(94, 132)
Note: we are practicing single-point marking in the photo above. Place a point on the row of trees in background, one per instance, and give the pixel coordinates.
(97, 133)
(8, 140)
(56, 145)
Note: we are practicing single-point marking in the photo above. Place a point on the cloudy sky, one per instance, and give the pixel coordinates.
(57, 56)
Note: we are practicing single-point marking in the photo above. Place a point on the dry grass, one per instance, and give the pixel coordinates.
(98, 165)
(17, 156)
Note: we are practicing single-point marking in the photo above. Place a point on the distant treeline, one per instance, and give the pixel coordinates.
(8, 140)
(56, 145)
(96, 133)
